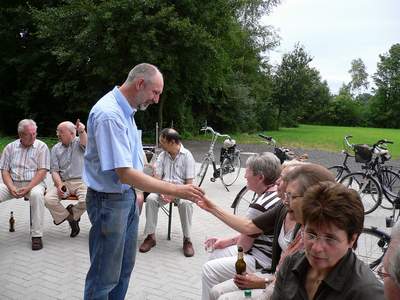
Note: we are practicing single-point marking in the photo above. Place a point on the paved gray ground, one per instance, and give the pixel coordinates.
(58, 270)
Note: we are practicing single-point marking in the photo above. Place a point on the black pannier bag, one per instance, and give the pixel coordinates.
(228, 149)
(363, 153)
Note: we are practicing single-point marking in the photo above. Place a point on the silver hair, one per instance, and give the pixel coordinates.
(145, 70)
(26, 122)
(70, 126)
(393, 258)
(266, 164)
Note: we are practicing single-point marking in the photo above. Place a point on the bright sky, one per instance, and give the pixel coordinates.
(334, 32)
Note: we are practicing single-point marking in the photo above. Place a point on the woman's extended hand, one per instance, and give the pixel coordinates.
(206, 204)
(249, 281)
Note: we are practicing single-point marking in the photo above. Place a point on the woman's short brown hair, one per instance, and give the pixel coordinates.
(307, 175)
(333, 203)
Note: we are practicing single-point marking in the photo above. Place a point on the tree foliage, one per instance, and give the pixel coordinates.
(210, 53)
(385, 105)
(359, 76)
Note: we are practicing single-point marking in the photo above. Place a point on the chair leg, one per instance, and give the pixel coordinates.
(169, 220)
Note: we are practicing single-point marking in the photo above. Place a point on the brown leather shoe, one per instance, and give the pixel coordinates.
(147, 244)
(188, 250)
(37, 243)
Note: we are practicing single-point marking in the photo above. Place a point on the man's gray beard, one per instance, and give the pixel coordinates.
(143, 107)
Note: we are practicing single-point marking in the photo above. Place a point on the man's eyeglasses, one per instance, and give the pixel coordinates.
(289, 197)
(311, 237)
(381, 272)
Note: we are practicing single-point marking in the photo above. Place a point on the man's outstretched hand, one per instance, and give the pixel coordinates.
(190, 192)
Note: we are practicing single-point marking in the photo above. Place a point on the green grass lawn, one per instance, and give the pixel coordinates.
(329, 138)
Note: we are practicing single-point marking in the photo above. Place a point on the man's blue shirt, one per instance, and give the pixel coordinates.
(113, 142)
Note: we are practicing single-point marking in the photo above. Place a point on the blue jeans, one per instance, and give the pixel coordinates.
(112, 243)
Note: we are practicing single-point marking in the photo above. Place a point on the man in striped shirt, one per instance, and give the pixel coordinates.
(24, 165)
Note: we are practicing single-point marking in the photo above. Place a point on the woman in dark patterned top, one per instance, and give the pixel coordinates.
(333, 217)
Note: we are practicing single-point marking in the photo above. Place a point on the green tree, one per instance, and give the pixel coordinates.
(292, 81)
(385, 105)
(359, 76)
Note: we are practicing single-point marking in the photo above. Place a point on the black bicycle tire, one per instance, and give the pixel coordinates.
(387, 190)
(371, 179)
(382, 241)
(239, 199)
(236, 168)
(203, 170)
(338, 174)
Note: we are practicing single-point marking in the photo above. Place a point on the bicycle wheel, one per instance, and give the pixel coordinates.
(367, 187)
(371, 246)
(242, 201)
(230, 169)
(390, 182)
(338, 171)
(203, 170)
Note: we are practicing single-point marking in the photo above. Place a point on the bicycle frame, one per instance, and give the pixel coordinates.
(210, 156)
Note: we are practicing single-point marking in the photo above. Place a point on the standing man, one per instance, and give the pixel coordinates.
(24, 165)
(66, 170)
(391, 266)
(175, 164)
(113, 165)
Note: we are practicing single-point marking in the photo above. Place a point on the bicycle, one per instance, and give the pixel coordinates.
(373, 243)
(245, 197)
(340, 170)
(229, 168)
(376, 180)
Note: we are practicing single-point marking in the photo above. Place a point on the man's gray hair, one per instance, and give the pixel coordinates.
(26, 122)
(393, 258)
(70, 126)
(266, 164)
(143, 70)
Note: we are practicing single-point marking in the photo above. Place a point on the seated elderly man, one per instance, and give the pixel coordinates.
(175, 164)
(391, 266)
(66, 171)
(24, 165)
(262, 172)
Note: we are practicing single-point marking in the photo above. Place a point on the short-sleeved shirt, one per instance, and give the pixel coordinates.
(24, 162)
(350, 279)
(68, 159)
(113, 142)
(176, 170)
(262, 244)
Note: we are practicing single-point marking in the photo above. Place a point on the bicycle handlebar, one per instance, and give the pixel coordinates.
(269, 139)
(215, 132)
(346, 141)
(377, 144)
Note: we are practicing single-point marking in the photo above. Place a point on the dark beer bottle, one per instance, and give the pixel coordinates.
(240, 264)
(12, 222)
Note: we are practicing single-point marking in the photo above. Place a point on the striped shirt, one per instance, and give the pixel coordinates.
(68, 159)
(262, 245)
(23, 162)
